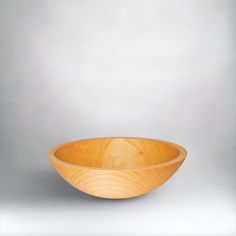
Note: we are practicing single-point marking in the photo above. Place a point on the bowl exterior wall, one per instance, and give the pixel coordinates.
(115, 184)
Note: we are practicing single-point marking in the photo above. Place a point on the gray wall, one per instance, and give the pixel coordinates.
(81, 69)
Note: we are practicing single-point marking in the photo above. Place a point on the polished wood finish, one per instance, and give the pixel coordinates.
(118, 167)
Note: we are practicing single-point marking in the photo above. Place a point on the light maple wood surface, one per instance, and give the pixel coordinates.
(119, 167)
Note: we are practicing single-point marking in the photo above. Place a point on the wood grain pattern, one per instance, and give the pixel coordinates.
(117, 167)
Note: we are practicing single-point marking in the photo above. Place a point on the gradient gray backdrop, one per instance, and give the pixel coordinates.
(81, 69)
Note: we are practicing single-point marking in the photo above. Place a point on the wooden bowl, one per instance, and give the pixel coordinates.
(117, 167)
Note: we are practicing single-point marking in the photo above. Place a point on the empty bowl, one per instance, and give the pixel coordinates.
(118, 167)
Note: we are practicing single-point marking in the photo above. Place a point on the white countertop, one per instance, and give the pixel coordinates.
(45, 204)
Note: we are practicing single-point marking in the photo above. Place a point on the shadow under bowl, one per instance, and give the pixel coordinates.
(117, 167)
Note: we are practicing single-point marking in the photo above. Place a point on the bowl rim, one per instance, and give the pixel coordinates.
(181, 157)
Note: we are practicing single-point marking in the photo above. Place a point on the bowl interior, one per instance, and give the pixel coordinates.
(117, 152)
